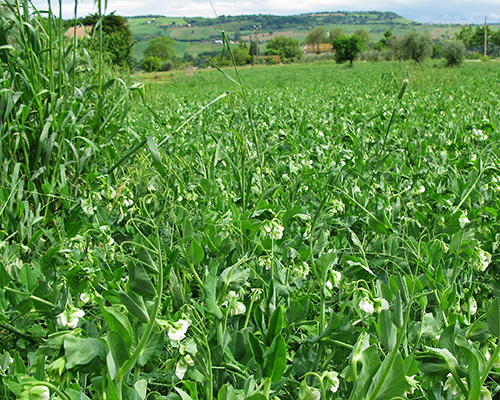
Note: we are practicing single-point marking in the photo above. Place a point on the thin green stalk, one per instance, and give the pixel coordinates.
(493, 359)
(127, 366)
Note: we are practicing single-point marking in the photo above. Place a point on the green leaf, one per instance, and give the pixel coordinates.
(153, 149)
(210, 289)
(152, 349)
(147, 261)
(275, 362)
(370, 362)
(135, 305)
(256, 348)
(275, 325)
(394, 382)
(387, 330)
(118, 353)
(195, 252)
(141, 386)
(476, 366)
(140, 281)
(493, 317)
(226, 392)
(81, 351)
(119, 323)
(183, 394)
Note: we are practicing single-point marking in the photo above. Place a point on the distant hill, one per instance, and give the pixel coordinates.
(197, 35)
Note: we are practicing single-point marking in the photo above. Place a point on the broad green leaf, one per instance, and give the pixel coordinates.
(256, 348)
(135, 305)
(476, 366)
(119, 323)
(275, 325)
(147, 261)
(389, 382)
(195, 252)
(303, 360)
(118, 353)
(226, 392)
(141, 386)
(81, 351)
(152, 349)
(140, 281)
(493, 317)
(275, 362)
(210, 289)
(429, 329)
(387, 330)
(370, 363)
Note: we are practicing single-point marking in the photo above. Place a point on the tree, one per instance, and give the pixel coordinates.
(394, 43)
(347, 48)
(416, 47)
(161, 47)
(286, 47)
(363, 35)
(336, 32)
(151, 64)
(316, 36)
(454, 52)
(117, 37)
(253, 49)
(473, 39)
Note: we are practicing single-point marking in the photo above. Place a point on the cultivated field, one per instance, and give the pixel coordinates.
(290, 232)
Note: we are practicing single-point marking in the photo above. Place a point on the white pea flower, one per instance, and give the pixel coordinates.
(273, 229)
(484, 259)
(381, 304)
(84, 297)
(463, 220)
(87, 206)
(366, 305)
(70, 317)
(178, 330)
(181, 368)
(472, 306)
(332, 380)
(39, 393)
(234, 307)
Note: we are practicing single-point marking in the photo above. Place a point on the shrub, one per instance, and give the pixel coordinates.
(151, 64)
(453, 52)
(370, 55)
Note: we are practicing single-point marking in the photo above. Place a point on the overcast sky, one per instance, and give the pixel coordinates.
(446, 11)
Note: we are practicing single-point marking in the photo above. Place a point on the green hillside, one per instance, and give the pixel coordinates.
(197, 35)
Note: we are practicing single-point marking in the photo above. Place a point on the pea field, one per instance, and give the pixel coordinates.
(304, 231)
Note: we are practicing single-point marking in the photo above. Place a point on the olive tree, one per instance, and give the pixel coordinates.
(453, 52)
(416, 47)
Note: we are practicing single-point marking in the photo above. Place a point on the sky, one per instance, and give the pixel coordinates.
(445, 11)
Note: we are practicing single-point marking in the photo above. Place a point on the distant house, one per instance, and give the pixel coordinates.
(313, 49)
(81, 31)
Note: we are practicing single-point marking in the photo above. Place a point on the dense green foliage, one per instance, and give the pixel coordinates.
(292, 232)
(117, 37)
(453, 52)
(161, 48)
(415, 46)
(286, 47)
(347, 48)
